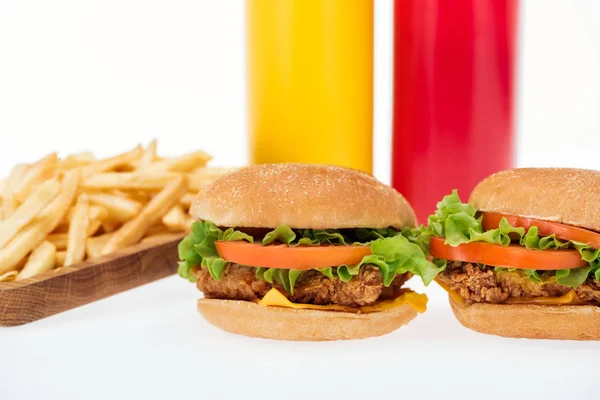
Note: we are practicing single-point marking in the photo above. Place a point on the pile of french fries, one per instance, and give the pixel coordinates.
(59, 212)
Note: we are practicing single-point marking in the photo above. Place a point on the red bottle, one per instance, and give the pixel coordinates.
(453, 96)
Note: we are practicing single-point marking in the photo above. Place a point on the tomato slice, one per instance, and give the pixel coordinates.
(512, 256)
(285, 257)
(546, 228)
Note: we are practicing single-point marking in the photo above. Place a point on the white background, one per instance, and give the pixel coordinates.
(106, 75)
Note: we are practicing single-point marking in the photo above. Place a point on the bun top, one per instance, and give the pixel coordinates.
(302, 196)
(565, 195)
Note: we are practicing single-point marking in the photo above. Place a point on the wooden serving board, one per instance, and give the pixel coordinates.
(59, 290)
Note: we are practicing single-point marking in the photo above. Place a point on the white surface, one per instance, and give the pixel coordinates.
(106, 75)
(559, 101)
(150, 343)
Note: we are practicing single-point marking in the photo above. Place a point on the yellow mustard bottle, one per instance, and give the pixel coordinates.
(310, 81)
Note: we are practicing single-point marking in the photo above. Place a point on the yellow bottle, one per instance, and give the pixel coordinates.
(310, 81)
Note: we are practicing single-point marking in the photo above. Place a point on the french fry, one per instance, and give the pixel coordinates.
(93, 227)
(60, 259)
(28, 210)
(202, 177)
(61, 228)
(68, 191)
(125, 168)
(141, 196)
(187, 199)
(77, 235)
(97, 213)
(21, 264)
(156, 229)
(9, 200)
(34, 233)
(131, 232)
(184, 163)
(120, 193)
(112, 162)
(129, 180)
(42, 259)
(2, 188)
(56, 213)
(8, 276)
(164, 234)
(118, 208)
(176, 220)
(58, 240)
(148, 156)
(110, 225)
(36, 173)
(78, 160)
(94, 245)
(22, 244)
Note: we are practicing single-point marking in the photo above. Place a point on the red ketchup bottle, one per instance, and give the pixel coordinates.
(453, 96)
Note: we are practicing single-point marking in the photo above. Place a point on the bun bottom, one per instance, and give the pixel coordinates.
(250, 319)
(530, 320)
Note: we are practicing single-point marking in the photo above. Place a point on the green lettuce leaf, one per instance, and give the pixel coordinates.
(393, 252)
(368, 235)
(215, 266)
(328, 272)
(198, 249)
(457, 222)
(533, 275)
(572, 277)
(401, 256)
(393, 256)
(347, 272)
(233, 235)
(285, 277)
(324, 236)
(295, 237)
(260, 274)
(281, 234)
(418, 236)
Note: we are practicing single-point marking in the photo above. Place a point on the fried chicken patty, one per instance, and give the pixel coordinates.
(483, 285)
(239, 282)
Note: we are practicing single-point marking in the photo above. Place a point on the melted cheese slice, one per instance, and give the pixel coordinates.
(452, 293)
(274, 298)
(567, 298)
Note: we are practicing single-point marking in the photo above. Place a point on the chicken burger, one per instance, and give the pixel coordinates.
(304, 252)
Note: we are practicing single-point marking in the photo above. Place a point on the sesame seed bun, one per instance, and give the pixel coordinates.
(566, 322)
(302, 196)
(251, 319)
(564, 195)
